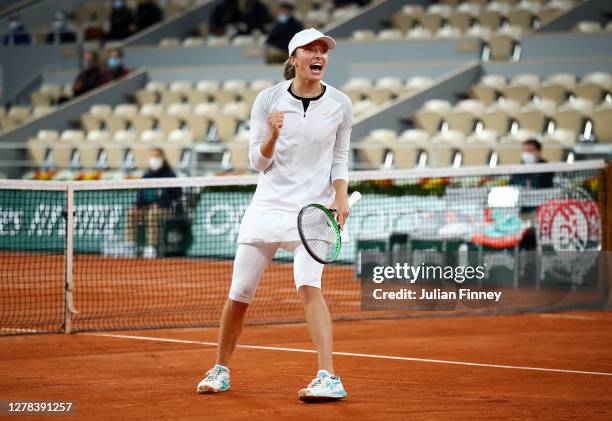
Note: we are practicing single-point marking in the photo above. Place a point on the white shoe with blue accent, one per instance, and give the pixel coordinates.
(324, 387)
(216, 380)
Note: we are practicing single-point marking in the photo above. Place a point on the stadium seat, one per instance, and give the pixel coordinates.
(357, 88)
(390, 35)
(556, 144)
(522, 88)
(39, 145)
(371, 150)
(170, 42)
(431, 115)
(602, 116)
(385, 89)
(419, 33)
(408, 148)
(489, 88)
(194, 42)
(535, 116)
(464, 17)
(504, 43)
(558, 87)
(19, 113)
(464, 115)
(499, 116)
(478, 147)
(572, 115)
(594, 87)
(444, 147)
(417, 83)
(362, 35)
(362, 107)
(589, 27)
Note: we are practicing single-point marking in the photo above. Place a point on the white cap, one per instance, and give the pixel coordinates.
(307, 36)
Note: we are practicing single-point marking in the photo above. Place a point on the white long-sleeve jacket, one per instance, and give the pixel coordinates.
(311, 152)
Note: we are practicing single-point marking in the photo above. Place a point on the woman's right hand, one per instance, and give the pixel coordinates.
(275, 121)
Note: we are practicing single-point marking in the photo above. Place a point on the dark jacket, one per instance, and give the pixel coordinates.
(118, 73)
(17, 36)
(120, 22)
(87, 80)
(534, 180)
(148, 14)
(65, 37)
(166, 198)
(282, 33)
(255, 15)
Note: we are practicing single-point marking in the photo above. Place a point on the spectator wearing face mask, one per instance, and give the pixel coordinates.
(152, 205)
(148, 13)
(17, 34)
(122, 22)
(532, 154)
(245, 16)
(115, 68)
(61, 34)
(90, 77)
(285, 28)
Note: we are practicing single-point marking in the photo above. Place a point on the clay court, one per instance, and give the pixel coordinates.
(544, 366)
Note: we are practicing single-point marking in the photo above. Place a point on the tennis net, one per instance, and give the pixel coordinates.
(78, 256)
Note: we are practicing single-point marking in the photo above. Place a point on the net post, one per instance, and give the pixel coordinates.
(68, 305)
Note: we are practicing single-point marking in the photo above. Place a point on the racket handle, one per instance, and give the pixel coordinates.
(355, 197)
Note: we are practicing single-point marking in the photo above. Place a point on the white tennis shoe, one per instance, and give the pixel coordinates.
(323, 388)
(216, 380)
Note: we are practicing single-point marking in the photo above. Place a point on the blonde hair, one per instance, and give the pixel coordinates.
(289, 70)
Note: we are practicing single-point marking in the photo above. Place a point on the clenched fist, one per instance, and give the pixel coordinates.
(275, 121)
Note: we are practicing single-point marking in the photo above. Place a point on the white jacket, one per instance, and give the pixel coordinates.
(311, 152)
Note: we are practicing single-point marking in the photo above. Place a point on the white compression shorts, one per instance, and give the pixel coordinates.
(252, 259)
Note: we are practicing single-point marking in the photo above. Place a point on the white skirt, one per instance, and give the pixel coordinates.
(265, 226)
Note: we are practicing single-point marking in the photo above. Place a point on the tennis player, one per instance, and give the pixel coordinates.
(299, 143)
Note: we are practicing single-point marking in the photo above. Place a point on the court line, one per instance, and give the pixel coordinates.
(348, 354)
(571, 316)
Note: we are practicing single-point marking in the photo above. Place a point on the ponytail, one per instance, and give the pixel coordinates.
(289, 71)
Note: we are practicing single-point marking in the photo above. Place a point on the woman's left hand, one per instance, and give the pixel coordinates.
(340, 204)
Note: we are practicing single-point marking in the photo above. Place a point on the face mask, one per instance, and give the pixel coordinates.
(14, 25)
(155, 163)
(528, 158)
(114, 62)
(283, 18)
(118, 4)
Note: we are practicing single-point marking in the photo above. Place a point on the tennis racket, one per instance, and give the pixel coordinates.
(320, 232)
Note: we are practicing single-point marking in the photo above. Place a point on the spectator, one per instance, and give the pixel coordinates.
(147, 13)
(115, 68)
(278, 40)
(152, 205)
(17, 34)
(90, 77)
(246, 15)
(122, 23)
(532, 154)
(61, 34)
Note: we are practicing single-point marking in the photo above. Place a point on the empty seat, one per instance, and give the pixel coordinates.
(555, 145)
(41, 110)
(522, 88)
(536, 116)
(464, 18)
(594, 87)
(127, 111)
(588, 27)
(444, 147)
(478, 147)
(557, 87)
(19, 113)
(408, 148)
(194, 42)
(155, 86)
(170, 42)
(448, 32)
(498, 117)
(573, 115)
(464, 115)
(366, 34)
(419, 33)
(489, 88)
(602, 118)
(357, 88)
(417, 83)
(180, 110)
(214, 41)
(390, 35)
(238, 110)
(505, 43)
(385, 89)
(362, 107)
(206, 109)
(431, 115)
(152, 110)
(371, 149)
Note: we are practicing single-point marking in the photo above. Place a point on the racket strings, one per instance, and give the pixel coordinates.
(319, 233)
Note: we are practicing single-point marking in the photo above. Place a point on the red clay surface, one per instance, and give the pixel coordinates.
(119, 378)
